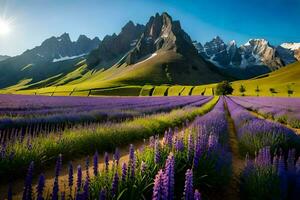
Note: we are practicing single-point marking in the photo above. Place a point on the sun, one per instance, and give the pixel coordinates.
(4, 27)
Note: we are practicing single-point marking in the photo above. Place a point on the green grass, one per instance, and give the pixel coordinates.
(160, 90)
(102, 138)
(187, 90)
(175, 90)
(120, 91)
(147, 90)
(279, 80)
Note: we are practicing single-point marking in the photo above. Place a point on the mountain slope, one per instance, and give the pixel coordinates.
(3, 58)
(280, 80)
(56, 55)
(164, 54)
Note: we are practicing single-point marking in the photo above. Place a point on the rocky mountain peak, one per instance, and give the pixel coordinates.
(161, 34)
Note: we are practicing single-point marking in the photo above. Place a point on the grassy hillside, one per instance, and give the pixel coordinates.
(279, 80)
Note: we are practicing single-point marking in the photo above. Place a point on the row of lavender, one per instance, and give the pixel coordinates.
(272, 165)
(284, 110)
(104, 109)
(196, 157)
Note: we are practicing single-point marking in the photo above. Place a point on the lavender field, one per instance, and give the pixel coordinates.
(191, 148)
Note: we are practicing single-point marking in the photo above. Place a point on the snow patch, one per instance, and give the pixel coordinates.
(67, 58)
(291, 46)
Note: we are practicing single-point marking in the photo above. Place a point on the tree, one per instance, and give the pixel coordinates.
(257, 90)
(290, 91)
(242, 90)
(273, 91)
(224, 88)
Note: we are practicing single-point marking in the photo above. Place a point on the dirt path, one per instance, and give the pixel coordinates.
(232, 192)
(296, 130)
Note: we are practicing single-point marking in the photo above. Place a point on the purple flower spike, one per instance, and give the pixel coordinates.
(170, 176)
(132, 162)
(86, 190)
(71, 178)
(159, 188)
(117, 156)
(115, 184)
(55, 189)
(40, 187)
(124, 172)
(197, 195)
(102, 195)
(79, 178)
(27, 192)
(188, 186)
(58, 165)
(95, 163)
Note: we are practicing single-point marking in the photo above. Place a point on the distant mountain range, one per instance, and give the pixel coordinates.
(160, 52)
(257, 56)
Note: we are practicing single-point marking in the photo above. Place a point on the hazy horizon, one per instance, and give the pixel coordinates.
(33, 21)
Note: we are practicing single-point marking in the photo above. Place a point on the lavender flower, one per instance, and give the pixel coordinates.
(179, 145)
(156, 152)
(40, 187)
(124, 172)
(95, 162)
(55, 189)
(102, 195)
(117, 156)
(170, 176)
(159, 188)
(85, 194)
(188, 186)
(58, 165)
(132, 162)
(71, 178)
(115, 184)
(27, 192)
(197, 195)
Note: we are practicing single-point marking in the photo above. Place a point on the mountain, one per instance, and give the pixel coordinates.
(289, 52)
(45, 61)
(114, 47)
(3, 57)
(254, 58)
(167, 50)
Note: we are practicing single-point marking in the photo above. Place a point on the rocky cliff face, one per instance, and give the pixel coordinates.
(114, 47)
(161, 34)
(289, 52)
(256, 52)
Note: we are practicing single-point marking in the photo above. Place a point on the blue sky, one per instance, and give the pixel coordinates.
(35, 20)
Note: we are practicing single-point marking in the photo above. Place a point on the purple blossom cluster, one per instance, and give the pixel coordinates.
(285, 110)
(255, 133)
(195, 144)
(270, 172)
(33, 116)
